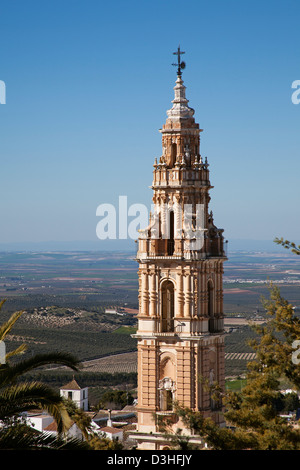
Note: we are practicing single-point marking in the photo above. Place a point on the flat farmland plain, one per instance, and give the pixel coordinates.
(104, 279)
(78, 301)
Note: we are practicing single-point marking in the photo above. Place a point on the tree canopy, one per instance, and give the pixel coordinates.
(251, 415)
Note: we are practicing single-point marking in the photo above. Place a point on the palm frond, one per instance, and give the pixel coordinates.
(25, 438)
(19, 350)
(7, 326)
(27, 396)
(10, 373)
(19, 398)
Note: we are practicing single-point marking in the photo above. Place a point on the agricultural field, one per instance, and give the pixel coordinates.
(86, 303)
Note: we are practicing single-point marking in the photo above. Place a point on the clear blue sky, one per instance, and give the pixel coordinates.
(88, 84)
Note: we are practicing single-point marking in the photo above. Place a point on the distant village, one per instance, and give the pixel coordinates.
(112, 424)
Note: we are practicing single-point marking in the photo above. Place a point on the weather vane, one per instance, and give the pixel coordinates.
(180, 64)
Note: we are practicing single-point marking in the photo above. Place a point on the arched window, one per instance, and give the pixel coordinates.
(173, 153)
(167, 307)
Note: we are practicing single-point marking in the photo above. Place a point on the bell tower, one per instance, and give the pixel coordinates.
(180, 254)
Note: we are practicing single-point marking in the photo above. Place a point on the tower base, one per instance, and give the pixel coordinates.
(159, 441)
(153, 439)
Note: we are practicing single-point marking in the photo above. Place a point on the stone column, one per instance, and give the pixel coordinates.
(153, 295)
(188, 295)
(145, 293)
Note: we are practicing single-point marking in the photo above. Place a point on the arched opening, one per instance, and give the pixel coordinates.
(173, 154)
(167, 307)
(210, 306)
(171, 243)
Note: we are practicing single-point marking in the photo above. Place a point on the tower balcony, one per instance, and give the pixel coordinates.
(180, 176)
(193, 328)
(193, 249)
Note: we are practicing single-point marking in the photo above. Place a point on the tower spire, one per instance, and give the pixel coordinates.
(180, 109)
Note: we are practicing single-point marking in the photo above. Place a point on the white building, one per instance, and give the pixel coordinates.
(74, 392)
(112, 433)
(39, 421)
(45, 423)
(73, 431)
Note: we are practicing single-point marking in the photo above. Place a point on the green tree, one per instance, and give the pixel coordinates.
(251, 415)
(289, 402)
(115, 398)
(83, 421)
(288, 245)
(102, 443)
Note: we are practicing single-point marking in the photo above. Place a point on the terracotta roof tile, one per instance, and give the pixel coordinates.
(73, 385)
(51, 427)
